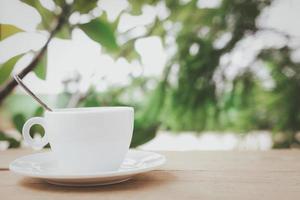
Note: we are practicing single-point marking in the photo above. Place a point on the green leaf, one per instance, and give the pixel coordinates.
(46, 15)
(84, 6)
(59, 2)
(19, 120)
(7, 67)
(136, 7)
(100, 31)
(41, 68)
(38, 112)
(64, 32)
(143, 132)
(7, 30)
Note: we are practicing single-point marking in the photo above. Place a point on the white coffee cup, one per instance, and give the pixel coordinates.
(85, 139)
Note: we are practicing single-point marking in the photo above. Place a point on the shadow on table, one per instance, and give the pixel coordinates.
(143, 181)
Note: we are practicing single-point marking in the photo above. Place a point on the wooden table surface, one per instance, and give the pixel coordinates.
(186, 175)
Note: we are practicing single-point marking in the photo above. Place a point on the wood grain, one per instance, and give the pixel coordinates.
(187, 175)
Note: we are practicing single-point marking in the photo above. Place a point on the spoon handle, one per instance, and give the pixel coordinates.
(20, 82)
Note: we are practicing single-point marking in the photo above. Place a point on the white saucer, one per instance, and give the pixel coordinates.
(43, 166)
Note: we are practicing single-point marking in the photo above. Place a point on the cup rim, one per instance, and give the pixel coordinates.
(90, 109)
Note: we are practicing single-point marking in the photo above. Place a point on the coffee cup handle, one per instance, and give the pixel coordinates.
(26, 133)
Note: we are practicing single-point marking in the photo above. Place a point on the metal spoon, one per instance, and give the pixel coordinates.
(20, 82)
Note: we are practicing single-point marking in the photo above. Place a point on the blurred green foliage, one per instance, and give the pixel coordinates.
(193, 101)
(7, 67)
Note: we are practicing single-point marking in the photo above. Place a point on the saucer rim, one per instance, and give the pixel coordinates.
(107, 174)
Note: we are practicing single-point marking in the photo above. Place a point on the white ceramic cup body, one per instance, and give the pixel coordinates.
(89, 139)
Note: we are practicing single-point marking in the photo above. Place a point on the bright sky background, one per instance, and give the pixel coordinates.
(80, 54)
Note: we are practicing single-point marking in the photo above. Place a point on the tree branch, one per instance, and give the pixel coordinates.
(11, 84)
